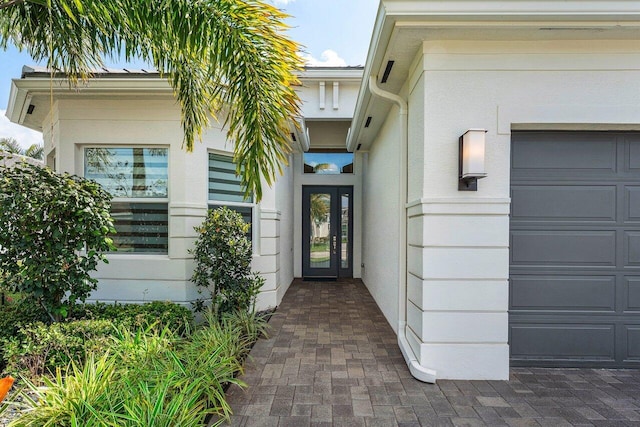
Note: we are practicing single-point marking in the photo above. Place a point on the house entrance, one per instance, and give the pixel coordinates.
(327, 232)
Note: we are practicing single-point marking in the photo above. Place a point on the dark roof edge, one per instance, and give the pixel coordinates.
(37, 71)
(348, 67)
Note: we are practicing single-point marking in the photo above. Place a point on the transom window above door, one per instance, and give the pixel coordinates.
(328, 162)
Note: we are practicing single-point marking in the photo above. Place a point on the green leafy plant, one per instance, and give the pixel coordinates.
(160, 404)
(223, 263)
(147, 377)
(14, 316)
(30, 346)
(55, 229)
(251, 325)
(38, 348)
(76, 398)
(156, 314)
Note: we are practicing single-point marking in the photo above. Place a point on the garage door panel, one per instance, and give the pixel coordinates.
(632, 203)
(563, 341)
(633, 157)
(559, 152)
(632, 249)
(564, 248)
(566, 202)
(632, 293)
(632, 353)
(563, 293)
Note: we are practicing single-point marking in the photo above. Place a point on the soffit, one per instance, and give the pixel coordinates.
(327, 134)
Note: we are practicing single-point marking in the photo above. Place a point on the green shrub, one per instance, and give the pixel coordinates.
(55, 229)
(159, 314)
(223, 263)
(38, 348)
(13, 317)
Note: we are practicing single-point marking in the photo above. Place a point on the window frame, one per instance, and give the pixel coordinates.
(166, 199)
(219, 203)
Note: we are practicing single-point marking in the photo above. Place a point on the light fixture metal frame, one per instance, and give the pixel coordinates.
(469, 183)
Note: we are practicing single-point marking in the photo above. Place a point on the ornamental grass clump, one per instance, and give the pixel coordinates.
(223, 263)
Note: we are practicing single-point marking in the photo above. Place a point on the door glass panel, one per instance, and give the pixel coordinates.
(344, 230)
(320, 230)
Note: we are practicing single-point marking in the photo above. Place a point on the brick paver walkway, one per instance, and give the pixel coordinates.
(332, 359)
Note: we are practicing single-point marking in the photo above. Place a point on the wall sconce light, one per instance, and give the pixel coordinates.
(471, 159)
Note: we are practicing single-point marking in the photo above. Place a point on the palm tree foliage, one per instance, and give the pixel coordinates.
(35, 151)
(10, 145)
(214, 53)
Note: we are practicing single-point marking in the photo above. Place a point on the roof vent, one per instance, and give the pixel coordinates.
(30, 108)
(387, 71)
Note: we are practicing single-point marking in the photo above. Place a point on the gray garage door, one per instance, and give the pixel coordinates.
(575, 249)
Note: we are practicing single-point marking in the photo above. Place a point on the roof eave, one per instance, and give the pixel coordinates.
(493, 12)
(26, 91)
(16, 108)
(364, 94)
(509, 10)
(333, 73)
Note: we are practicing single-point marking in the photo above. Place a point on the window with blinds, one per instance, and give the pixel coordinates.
(225, 188)
(141, 227)
(137, 177)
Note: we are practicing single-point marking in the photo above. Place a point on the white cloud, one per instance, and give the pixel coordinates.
(329, 58)
(23, 135)
(281, 2)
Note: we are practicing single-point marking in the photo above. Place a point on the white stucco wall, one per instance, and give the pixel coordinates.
(458, 256)
(381, 221)
(329, 93)
(284, 202)
(155, 121)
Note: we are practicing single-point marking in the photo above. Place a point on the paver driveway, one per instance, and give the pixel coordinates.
(332, 359)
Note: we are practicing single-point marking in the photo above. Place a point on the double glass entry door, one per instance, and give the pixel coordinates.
(327, 232)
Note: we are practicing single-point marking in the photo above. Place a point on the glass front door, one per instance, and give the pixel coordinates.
(327, 232)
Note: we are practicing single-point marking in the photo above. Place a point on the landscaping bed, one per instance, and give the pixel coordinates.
(127, 365)
(106, 365)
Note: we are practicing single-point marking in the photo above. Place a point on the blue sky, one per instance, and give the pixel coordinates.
(333, 32)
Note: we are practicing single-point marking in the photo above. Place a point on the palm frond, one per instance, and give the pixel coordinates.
(10, 145)
(35, 151)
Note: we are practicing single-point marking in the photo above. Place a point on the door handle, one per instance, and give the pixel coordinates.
(335, 243)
